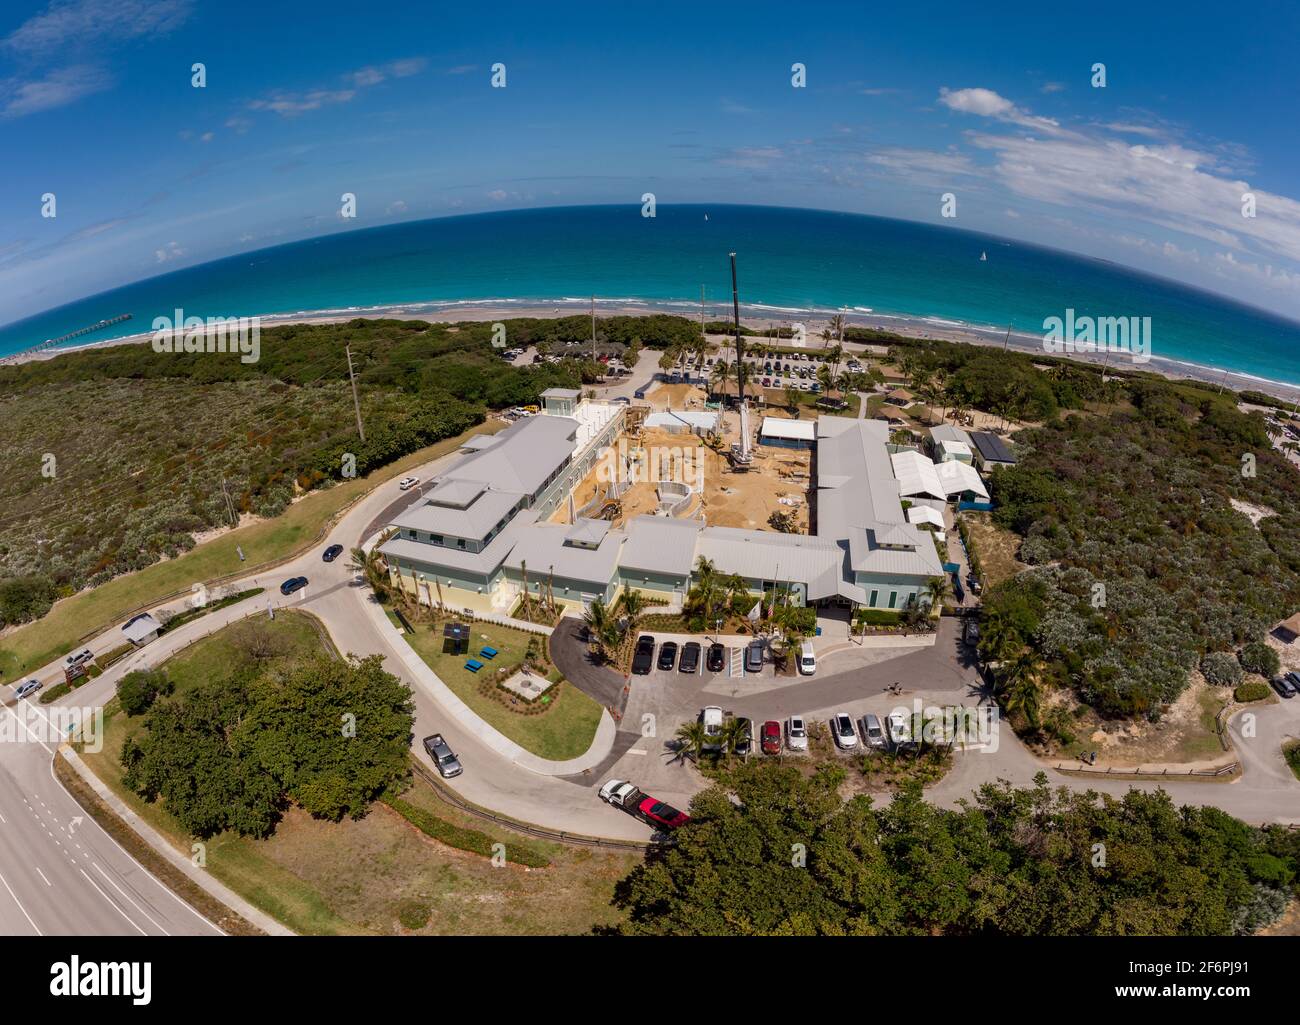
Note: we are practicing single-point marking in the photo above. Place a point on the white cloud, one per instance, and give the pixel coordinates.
(374, 74)
(171, 251)
(86, 24)
(292, 104)
(499, 195)
(57, 89)
(396, 207)
(987, 103)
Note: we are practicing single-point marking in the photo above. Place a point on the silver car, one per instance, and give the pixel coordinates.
(873, 734)
(842, 731)
(30, 687)
(447, 764)
(796, 733)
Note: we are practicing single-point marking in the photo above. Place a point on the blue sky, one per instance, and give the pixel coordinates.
(393, 103)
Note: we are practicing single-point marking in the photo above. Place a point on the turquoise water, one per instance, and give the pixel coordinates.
(790, 261)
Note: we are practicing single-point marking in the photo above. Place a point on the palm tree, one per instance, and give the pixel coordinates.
(633, 605)
(691, 739)
(602, 627)
(837, 327)
(721, 373)
(734, 732)
(1021, 686)
(999, 638)
(938, 589)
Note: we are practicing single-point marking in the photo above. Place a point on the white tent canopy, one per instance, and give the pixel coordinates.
(923, 514)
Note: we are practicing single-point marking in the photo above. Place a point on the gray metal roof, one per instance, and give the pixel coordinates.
(561, 393)
(767, 555)
(473, 521)
(141, 627)
(660, 544)
(483, 563)
(949, 432)
(544, 550)
(526, 453)
(894, 549)
(855, 477)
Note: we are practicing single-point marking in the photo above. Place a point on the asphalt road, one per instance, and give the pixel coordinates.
(60, 873)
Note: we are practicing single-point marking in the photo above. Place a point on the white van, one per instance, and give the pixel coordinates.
(807, 660)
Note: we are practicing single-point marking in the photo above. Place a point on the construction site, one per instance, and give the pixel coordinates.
(690, 461)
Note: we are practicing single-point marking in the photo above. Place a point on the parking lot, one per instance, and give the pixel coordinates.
(856, 682)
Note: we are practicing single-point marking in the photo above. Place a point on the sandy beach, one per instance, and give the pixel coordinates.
(755, 317)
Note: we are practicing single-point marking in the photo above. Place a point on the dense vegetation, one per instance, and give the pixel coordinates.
(149, 448)
(328, 735)
(788, 856)
(1142, 567)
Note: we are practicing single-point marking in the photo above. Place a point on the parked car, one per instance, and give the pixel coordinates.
(667, 655)
(406, 483)
(873, 734)
(770, 737)
(807, 659)
(716, 658)
(796, 733)
(754, 657)
(447, 764)
(30, 687)
(690, 660)
(78, 657)
(711, 719)
(331, 553)
(644, 656)
(1295, 681)
(293, 584)
(900, 733)
(842, 731)
(659, 814)
(745, 741)
(970, 632)
(1283, 686)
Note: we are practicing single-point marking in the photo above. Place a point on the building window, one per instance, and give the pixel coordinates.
(893, 598)
(875, 596)
(460, 543)
(435, 539)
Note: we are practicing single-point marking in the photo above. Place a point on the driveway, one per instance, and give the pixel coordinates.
(573, 657)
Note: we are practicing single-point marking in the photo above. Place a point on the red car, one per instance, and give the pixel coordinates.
(770, 738)
(661, 814)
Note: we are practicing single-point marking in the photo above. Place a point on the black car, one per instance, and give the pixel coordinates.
(293, 584)
(331, 553)
(745, 738)
(1283, 686)
(690, 660)
(667, 655)
(644, 656)
(716, 658)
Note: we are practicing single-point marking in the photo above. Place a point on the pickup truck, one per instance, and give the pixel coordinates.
(439, 751)
(631, 799)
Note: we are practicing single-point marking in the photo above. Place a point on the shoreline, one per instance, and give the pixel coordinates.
(754, 315)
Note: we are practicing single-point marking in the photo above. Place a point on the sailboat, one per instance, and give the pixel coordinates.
(983, 257)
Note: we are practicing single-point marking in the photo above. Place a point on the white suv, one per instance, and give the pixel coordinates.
(796, 734)
(406, 483)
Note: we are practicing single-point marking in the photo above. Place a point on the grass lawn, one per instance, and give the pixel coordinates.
(357, 877)
(565, 730)
(32, 646)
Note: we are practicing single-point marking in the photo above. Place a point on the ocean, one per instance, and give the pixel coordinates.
(792, 264)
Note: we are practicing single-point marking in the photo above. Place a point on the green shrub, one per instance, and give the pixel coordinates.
(140, 688)
(462, 839)
(413, 914)
(1251, 690)
(1220, 669)
(1258, 657)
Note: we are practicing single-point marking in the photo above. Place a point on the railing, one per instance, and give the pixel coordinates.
(1225, 770)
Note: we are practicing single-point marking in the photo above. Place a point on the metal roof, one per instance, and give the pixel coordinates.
(958, 477)
(949, 432)
(916, 475)
(780, 427)
(660, 544)
(141, 627)
(767, 555)
(543, 547)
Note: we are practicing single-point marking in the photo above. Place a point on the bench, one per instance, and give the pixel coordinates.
(473, 665)
(488, 652)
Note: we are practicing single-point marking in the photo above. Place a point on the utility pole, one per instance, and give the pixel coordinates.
(1006, 341)
(234, 521)
(356, 403)
(593, 328)
(740, 353)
